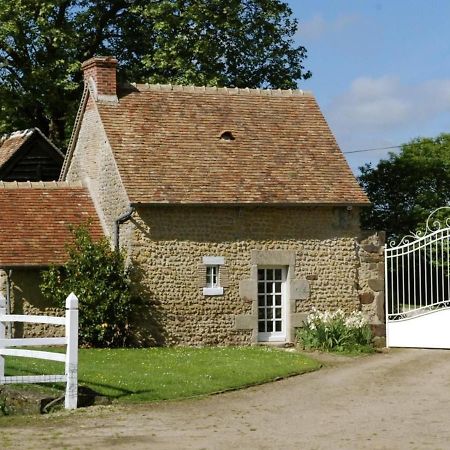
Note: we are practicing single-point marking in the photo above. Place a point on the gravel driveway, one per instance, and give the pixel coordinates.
(386, 401)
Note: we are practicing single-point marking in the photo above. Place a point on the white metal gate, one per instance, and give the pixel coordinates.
(417, 286)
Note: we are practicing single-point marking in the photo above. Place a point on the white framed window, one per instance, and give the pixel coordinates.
(212, 276)
(212, 272)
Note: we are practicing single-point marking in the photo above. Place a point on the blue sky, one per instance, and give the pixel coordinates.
(381, 69)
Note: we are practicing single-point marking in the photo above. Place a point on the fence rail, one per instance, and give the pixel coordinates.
(70, 357)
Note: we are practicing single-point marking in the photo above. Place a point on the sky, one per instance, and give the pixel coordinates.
(381, 70)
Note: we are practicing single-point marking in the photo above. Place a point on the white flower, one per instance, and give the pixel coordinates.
(353, 320)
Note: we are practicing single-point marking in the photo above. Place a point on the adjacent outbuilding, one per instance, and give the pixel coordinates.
(35, 224)
(28, 155)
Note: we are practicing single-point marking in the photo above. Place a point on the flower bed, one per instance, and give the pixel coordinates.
(335, 331)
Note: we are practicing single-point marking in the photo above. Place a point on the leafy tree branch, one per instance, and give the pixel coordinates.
(406, 187)
(235, 43)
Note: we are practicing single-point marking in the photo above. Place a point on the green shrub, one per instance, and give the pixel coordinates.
(99, 278)
(335, 331)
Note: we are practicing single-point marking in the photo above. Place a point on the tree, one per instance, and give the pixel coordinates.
(235, 43)
(98, 276)
(406, 187)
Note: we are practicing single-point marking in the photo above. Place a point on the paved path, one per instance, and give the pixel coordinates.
(399, 400)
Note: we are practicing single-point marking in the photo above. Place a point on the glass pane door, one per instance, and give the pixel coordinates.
(271, 304)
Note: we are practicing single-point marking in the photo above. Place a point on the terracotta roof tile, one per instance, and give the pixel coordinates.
(168, 147)
(9, 144)
(35, 218)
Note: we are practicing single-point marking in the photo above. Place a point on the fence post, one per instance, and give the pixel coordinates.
(2, 334)
(71, 352)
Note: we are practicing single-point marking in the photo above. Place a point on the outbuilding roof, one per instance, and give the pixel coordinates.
(35, 220)
(191, 145)
(29, 155)
(10, 143)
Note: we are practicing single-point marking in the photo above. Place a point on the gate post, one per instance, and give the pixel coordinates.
(386, 294)
(2, 334)
(71, 352)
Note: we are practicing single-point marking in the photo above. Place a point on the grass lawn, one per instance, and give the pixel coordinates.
(133, 375)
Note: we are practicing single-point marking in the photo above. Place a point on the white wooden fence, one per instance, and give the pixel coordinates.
(70, 358)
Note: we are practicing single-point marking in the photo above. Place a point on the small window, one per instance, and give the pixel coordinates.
(212, 266)
(212, 276)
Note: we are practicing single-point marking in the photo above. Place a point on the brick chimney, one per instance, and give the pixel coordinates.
(101, 70)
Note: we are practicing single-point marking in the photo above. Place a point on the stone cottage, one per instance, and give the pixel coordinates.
(236, 207)
(28, 155)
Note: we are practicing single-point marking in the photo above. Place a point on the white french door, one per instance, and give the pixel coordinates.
(272, 304)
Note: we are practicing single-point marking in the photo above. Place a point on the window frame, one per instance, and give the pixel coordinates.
(212, 276)
(212, 287)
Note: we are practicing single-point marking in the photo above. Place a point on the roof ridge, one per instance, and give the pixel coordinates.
(39, 184)
(221, 90)
(38, 131)
(17, 134)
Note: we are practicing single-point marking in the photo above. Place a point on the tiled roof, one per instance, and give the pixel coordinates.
(34, 221)
(11, 143)
(168, 147)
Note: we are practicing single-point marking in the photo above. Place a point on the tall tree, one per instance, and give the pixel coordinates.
(407, 186)
(236, 43)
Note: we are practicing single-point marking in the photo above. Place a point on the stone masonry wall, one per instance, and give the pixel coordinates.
(26, 298)
(170, 242)
(370, 251)
(93, 164)
(329, 268)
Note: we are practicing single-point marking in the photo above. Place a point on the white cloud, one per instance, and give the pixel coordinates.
(318, 26)
(372, 104)
(381, 112)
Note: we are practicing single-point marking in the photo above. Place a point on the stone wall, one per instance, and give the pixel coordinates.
(26, 298)
(328, 268)
(317, 244)
(370, 251)
(93, 164)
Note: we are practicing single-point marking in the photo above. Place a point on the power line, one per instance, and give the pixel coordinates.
(373, 149)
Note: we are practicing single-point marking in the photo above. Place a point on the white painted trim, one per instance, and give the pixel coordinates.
(213, 291)
(54, 320)
(70, 358)
(32, 341)
(61, 357)
(278, 336)
(428, 331)
(213, 260)
(2, 333)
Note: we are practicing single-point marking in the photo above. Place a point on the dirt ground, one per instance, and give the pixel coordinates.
(398, 400)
